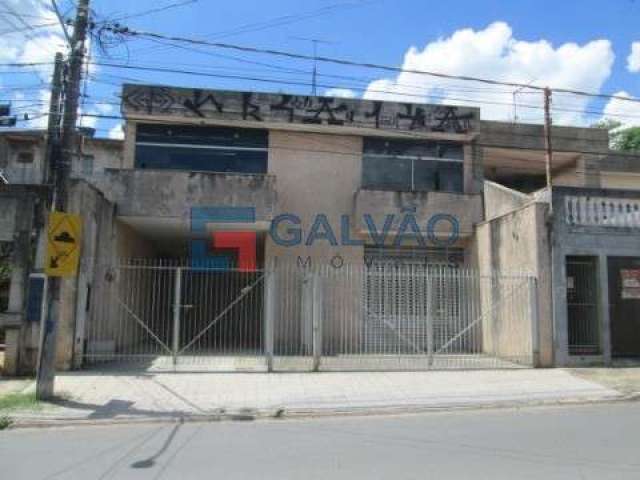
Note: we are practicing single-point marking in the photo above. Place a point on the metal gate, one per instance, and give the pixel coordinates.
(161, 314)
(582, 305)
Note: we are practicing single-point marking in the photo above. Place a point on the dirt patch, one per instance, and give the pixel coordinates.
(624, 380)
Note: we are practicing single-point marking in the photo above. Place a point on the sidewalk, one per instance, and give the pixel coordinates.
(95, 397)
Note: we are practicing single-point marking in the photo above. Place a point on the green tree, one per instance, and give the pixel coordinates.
(624, 139)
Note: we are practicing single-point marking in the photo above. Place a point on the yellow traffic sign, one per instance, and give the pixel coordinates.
(63, 244)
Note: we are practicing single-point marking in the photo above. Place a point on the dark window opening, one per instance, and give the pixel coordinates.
(199, 148)
(25, 156)
(412, 166)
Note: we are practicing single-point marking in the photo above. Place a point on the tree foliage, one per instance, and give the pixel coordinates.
(624, 139)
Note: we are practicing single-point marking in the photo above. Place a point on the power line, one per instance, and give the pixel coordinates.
(153, 10)
(28, 28)
(327, 86)
(280, 21)
(25, 64)
(345, 62)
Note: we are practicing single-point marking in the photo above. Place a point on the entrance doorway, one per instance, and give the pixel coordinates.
(624, 304)
(582, 306)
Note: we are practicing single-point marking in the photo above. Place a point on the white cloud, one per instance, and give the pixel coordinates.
(626, 112)
(495, 53)
(33, 36)
(633, 61)
(340, 92)
(91, 120)
(116, 132)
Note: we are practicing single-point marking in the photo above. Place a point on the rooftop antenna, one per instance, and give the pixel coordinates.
(515, 102)
(314, 73)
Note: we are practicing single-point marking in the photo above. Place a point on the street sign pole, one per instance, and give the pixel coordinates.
(47, 352)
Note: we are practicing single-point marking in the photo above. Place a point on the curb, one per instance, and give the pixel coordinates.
(248, 415)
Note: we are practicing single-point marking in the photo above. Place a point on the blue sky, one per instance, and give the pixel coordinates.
(570, 44)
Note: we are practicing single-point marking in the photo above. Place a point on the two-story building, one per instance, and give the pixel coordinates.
(252, 226)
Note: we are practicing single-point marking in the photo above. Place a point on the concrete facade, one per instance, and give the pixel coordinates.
(314, 166)
(598, 242)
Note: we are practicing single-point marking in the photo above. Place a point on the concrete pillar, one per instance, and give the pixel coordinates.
(590, 165)
(128, 159)
(11, 353)
(560, 313)
(270, 313)
(473, 168)
(605, 312)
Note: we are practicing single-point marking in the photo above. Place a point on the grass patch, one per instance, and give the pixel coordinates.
(5, 422)
(17, 401)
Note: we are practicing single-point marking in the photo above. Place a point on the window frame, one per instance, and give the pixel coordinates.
(412, 187)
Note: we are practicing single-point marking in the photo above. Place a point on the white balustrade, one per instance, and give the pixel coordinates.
(602, 211)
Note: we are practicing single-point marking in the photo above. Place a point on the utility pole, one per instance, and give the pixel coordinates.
(62, 165)
(548, 147)
(53, 126)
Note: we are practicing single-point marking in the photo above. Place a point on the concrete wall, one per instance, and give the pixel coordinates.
(98, 155)
(169, 195)
(316, 174)
(99, 240)
(516, 242)
(499, 200)
(466, 208)
(518, 135)
(616, 171)
(15, 171)
(8, 209)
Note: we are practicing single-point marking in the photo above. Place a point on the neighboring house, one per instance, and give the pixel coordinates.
(23, 205)
(308, 177)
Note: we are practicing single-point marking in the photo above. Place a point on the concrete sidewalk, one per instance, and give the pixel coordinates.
(90, 396)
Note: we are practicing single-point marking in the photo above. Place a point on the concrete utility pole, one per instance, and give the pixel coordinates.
(61, 166)
(548, 147)
(53, 126)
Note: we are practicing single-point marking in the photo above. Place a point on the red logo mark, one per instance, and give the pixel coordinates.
(242, 242)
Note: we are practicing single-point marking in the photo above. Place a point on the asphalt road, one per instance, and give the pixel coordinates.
(594, 442)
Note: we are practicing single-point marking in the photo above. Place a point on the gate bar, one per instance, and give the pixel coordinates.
(177, 301)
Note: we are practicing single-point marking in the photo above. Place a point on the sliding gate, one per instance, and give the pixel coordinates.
(165, 315)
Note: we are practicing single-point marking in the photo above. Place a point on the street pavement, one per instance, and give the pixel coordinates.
(570, 442)
(96, 397)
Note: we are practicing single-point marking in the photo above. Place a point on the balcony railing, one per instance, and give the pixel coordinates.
(602, 211)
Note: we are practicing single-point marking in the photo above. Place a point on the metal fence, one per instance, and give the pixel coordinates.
(163, 314)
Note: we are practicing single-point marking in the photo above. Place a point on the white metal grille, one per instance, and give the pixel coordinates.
(377, 316)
